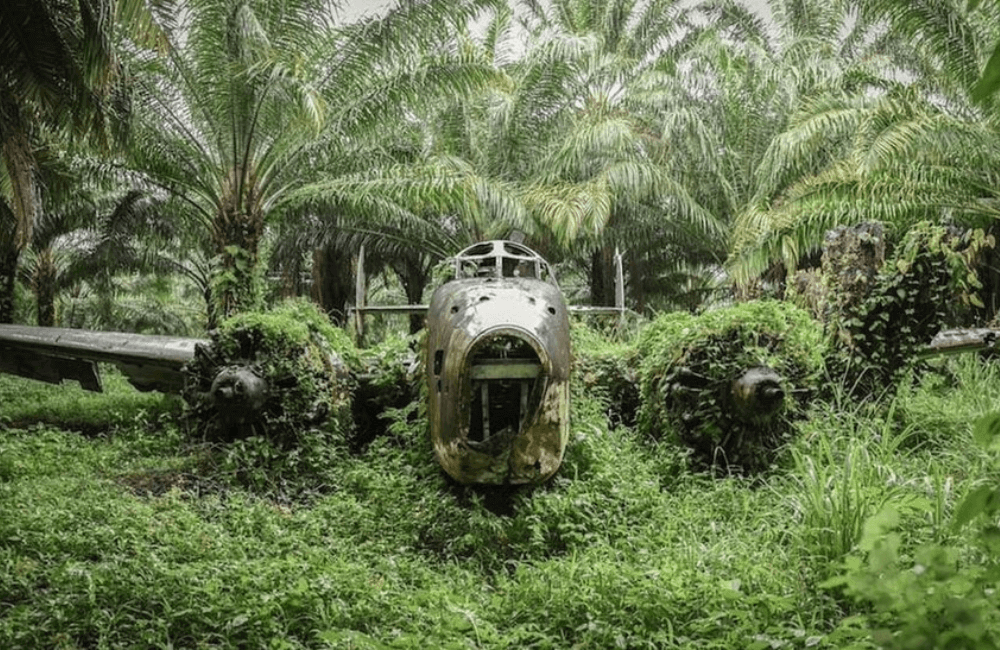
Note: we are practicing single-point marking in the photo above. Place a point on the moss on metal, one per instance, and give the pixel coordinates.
(728, 382)
(272, 374)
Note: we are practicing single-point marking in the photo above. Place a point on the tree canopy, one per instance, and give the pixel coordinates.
(709, 145)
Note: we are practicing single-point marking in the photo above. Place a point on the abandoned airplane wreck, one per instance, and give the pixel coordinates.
(498, 363)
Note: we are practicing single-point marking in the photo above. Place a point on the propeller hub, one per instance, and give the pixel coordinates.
(238, 393)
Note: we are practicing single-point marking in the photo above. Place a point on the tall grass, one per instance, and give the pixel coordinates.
(137, 540)
(845, 468)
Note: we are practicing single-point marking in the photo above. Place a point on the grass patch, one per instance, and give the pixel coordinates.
(136, 538)
(24, 402)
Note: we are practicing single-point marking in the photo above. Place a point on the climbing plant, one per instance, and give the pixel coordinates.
(927, 282)
(302, 361)
(691, 372)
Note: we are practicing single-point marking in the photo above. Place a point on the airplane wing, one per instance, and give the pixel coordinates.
(957, 341)
(53, 354)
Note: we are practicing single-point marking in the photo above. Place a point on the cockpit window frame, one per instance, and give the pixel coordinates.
(501, 258)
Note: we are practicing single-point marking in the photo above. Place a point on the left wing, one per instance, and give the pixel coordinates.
(53, 354)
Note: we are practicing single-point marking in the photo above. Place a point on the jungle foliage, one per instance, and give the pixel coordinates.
(689, 366)
(270, 140)
(139, 535)
(928, 282)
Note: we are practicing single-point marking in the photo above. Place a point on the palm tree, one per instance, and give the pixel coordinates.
(603, 179)
(411, 196)
(898, 152)
(256, 98)
(559, 147)
(59, 75)
(92, 237)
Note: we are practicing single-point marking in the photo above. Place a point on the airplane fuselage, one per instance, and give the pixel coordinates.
(498, 363)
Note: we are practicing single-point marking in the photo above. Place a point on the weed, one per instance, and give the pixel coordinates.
(141, 538)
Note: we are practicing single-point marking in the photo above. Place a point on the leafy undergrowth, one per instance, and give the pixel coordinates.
(137, 538)
(24, 403)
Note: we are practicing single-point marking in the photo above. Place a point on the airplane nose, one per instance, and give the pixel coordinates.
(238, 393)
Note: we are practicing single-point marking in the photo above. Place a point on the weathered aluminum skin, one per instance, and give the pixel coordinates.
(465, 312)
(958, 341)
(53, 354)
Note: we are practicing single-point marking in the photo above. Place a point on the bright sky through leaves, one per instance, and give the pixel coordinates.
(354, 9)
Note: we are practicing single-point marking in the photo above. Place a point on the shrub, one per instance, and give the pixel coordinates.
(689, 370)
(608, 371)
(391, 378)
(932, 597)
(299, 355)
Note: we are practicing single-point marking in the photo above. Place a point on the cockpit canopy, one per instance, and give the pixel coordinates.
(502, 259)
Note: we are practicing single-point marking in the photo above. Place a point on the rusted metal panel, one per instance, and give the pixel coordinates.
(516, 370)
(757, 393)
(151, 362)
(498, 363)
(388, 309)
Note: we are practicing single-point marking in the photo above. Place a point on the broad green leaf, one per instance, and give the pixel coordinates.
(986, 429)
(876, 527)
(982, 499)
(989, 80)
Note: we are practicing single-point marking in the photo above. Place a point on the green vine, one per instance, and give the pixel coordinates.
(237, 282)
(688, 371)
(927, 283)
(301, 356)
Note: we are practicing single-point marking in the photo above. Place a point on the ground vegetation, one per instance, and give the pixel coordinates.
(867, 533)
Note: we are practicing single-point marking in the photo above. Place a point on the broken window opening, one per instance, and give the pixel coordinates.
(504, 390)
(514, 267)
(498, 259)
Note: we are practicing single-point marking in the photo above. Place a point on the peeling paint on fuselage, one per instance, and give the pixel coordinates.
(467, 316)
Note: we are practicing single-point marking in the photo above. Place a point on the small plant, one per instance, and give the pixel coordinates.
(608, 370)
(393, 380)
(933, 597)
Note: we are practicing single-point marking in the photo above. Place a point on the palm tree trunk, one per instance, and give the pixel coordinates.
(18, 217)
(413, 275)
(9, 255)
(18, 158)
(602, 276)
(237, 235)
(333, 284)
(989, 275)
(291, 279)
(44, 286)
(637, 286)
